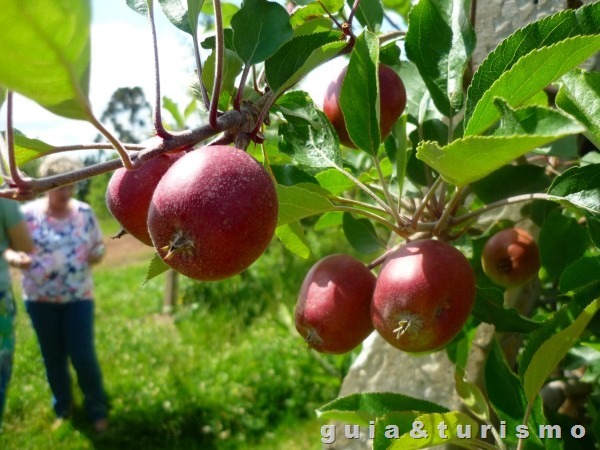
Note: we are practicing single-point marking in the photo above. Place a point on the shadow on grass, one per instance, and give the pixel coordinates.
(151, 430)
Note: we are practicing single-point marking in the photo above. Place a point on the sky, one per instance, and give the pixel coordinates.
(122, 57)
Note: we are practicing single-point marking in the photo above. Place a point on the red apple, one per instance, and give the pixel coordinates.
(391, 105)
(510, 257)
(213, 213)
(129, 192)
(423, 296)
(332, 313)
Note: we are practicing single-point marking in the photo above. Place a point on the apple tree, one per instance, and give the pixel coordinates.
(416, 157)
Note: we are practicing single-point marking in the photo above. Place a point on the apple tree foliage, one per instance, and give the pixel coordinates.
(473, 153)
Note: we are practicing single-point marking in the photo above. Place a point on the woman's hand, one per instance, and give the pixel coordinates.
(20, 260)
(96, 253)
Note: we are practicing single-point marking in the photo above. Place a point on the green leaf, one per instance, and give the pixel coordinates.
(308, 136)
(593, 224)
(210, 43)
(289, 175)
(361, 235)
(471, 158)
(580, 186)
(369, 13)
(314, 12)
(45, 48)
(360, 409)
(579, 95)
(3, 92)
(184, 17)
(27, 149)
(440, 41)
(299, 56)
(139, 6)
(551, 352)
(489, 308)
(359, 96)
(392, 426)
(328, 220)
(156, 267)
(296, 203)
(559, 321)
(472, 396)
(580, 274)
(228, 10)
(232, 67)
(334, 181)
(173, 109)
(511, 180)
(505, 394)
(562, 241)
(529, 60)
(293, 238)
(260, 28)
(430, 423)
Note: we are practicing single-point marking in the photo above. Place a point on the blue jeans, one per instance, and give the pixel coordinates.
(66, 330)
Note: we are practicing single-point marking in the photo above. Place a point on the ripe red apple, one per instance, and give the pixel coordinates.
(129, 192)
(332, 313)
(213, 213)
(391, 105)
(510, 257)
(423, 296)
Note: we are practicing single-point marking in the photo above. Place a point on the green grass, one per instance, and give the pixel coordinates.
(226, 371)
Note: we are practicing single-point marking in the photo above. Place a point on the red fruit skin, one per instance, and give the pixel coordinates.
(510, 257)
(129, 192)
(219, 202)
(429, 284)
(332, 313)
(391, 106)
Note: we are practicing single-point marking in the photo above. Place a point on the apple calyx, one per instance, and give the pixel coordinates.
(180, 244)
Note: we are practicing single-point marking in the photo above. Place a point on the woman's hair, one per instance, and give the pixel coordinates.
(56, 164)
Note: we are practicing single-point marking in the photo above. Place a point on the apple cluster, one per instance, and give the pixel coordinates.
(209, 213)
(418, 302)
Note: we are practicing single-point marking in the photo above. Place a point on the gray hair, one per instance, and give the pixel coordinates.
(57, 164)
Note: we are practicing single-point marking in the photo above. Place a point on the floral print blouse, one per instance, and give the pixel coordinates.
(60, 271)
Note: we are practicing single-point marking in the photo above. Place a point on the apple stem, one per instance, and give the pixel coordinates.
(158, 125)
(240, 93)
(352, 12)
(444, 220)
(15, 174)
(425, 201)
(391, 203)
(372, 216)
(219, 56)
(119, 234)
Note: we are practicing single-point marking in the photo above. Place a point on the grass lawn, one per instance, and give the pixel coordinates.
(227, 371)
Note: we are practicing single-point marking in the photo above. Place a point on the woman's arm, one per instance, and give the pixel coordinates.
(19, 238)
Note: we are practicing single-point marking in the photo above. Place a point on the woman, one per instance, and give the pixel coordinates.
(58, 292)
(15, 243)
